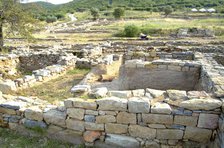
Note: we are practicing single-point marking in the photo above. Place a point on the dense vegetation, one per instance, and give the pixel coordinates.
(47, 10)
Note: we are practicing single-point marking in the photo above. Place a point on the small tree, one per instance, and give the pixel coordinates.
(118, 13)
(168, 10)
(95, 13)
(16, 19)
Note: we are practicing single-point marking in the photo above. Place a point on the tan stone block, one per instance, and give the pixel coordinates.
(126, 118)
(94, 126)
(186, 120)
(209, 121)
(197, 134)
(91, 136)
(75, 125)
(157, 119)
(142, 132)
(116, 128)
(105, 119)
(7, 111)
(169, 134)
(76, 113)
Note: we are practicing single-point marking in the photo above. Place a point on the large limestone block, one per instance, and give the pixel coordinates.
(94, 126)
(161, 108)
(116, 128)
(76, 113)
(100, 92)
(75, 125)
(154, 92)
(7, 86)
(80, 88)
(126, 118)
(197, 134)
(121, 94)
(34, 113)
(138, 93)
(151, 144)
(209, 121)
(55, 117)
(112, 103)
(177, 94)
(86, 104)
(157, 119)
(138, 105)
(172, 134)
(201, 104)
(186, 120)
(122, 141)
(142, 132)
(105, 119)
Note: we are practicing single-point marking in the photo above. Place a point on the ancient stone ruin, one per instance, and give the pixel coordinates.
(140, 94)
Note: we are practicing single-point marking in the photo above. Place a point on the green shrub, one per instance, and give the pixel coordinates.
(95, 13)
(131, 31)
(51, 19)
(118, 13)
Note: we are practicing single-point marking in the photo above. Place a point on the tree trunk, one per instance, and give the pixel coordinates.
(1, 36)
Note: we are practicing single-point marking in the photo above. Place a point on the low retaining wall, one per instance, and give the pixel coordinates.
(152, 118)
(159, 74)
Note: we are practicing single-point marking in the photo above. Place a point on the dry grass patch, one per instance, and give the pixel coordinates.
(57, 89)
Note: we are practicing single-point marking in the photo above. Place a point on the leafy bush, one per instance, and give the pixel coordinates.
(131, 31)
(118, 13)
(51, 19)
(95, 13)
(168, 10)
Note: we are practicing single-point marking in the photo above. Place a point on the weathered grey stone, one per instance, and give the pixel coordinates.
(105, 119)
(142, 132)
(197, 134)
(121, 94)
(90, 118)
(138, 92)
(151, 144)
(32, 124)
(155, 93)
(122, 141)
(112, 103)
(55, 117)
(52, 129)
(138, 105)
(126, 118)
(116, 128)
(76, 113)
(80, 88)
(75, 125)
(177, 95)
(201, 104)
(186, 120)
(157, 119)
(161, 108)
(34, 113)
(87, 104)
(169, 134)
(209, 121)
(100, 92)
(69, 102)
(7, 86)
(94, 126)
(13, 105)
(197, 94)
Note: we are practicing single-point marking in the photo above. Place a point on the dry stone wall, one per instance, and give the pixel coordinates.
(144, 118)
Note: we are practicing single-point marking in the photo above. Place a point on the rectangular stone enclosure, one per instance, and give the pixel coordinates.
(151, 75)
